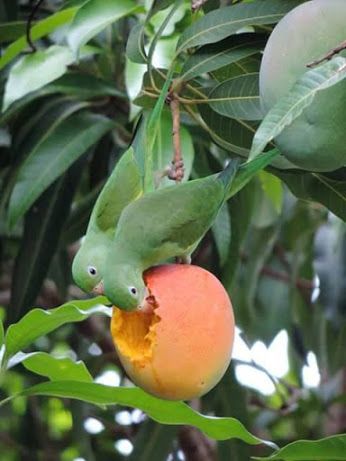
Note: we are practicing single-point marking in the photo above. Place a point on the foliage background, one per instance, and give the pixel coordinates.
(278, 246)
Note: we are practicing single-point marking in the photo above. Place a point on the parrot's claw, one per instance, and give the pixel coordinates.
(99, 289)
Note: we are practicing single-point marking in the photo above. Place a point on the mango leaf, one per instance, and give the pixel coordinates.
(329, 449)
(10, 31)
(34, 71)
(135, 45)
(55, 368)
(212, 57)
(52, 155)
(237, 98)
(153, 442)
(94, 16)
(39, 30)
(317, 187)
(42, 228)
(39, 322)
(272, 187)
(223, 22)
(290, 106)
(162, 411)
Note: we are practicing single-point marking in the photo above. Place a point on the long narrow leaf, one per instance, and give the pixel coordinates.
(163, 411)
(290, 106)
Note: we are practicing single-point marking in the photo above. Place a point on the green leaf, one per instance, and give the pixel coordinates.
(135, 45)
(212, 57)
(10, 31)
(317, 187)
(94, 16)
(42, 228)
(222, 233)
(329, 449)
(39, 30)
(2, 334)
(290, 106)
(39, 322)
(55, 368)
(52, 155)
(34, 71)
(272, 187)
(224, 22)
(237, 98)
(162, 411)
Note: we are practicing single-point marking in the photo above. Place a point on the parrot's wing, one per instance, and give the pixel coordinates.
(169, 221)
(124, 185)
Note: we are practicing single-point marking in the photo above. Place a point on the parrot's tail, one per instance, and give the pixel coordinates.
(228, 174)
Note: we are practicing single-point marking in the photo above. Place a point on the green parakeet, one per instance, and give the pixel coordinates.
(124, 185)
(160, 225)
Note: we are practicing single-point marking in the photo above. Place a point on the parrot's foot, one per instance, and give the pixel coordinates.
(183, 259)
(176, 171)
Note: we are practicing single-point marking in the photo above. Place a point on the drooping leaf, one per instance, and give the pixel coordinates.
(39, 322)
(94, 16)
(317, 187)
(55, 368)
(42, 228)
(52, 155)
(222, 23)
(135, 45)
(237, 98)
(272, 187)
(290, 106)
(34, 71)
(212, 57)
(163, 411)
(328, 449)
(39, 30)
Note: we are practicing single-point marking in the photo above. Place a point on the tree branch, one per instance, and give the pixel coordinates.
(329, 55)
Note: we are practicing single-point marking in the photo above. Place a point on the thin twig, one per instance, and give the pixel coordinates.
(29, 23)
(177, 171)
(329, 55)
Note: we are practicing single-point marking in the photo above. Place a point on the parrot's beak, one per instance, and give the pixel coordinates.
(148, 303)
(99, 289)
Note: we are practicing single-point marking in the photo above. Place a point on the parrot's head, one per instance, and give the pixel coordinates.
(88, 265)
(124, 287)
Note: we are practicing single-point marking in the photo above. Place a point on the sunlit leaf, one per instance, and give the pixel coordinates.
(94, 16)
(44, 27)
(329, 449)
(56, 368)
(163, 411)
(39, 322)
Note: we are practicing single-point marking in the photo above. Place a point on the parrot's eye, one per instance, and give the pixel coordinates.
(92, 271)
(133, 290)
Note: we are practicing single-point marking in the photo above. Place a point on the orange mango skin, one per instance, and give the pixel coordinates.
(194, 337)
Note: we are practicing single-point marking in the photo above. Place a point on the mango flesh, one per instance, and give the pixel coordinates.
(183, 348)
(315, 141)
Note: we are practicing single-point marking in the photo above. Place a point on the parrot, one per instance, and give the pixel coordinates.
(124, 185)
(162, 224)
